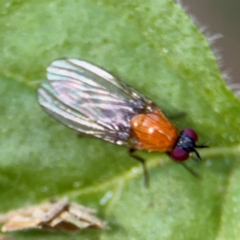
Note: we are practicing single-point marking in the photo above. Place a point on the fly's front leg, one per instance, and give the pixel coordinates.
(178, 115)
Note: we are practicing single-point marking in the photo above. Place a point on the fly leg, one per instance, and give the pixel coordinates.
(142, 161)
(178, 115)
(190, 170)
(195, 174)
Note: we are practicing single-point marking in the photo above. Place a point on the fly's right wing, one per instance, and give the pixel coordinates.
(90, 100)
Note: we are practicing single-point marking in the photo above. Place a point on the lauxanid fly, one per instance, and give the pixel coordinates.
(92, 101)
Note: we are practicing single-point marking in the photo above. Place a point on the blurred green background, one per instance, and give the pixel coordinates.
(220, 17)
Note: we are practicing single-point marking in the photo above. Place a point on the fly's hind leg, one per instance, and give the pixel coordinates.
(142, 161)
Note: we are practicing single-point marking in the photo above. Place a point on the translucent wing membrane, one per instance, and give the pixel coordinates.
(90, 100)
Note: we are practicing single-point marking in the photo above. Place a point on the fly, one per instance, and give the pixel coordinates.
(92, 101)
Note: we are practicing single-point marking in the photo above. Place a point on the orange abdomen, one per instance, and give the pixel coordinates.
(153, 132)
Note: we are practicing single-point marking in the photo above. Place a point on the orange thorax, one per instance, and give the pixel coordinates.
(153, 132)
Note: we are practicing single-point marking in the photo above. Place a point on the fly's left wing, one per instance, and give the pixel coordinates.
(90, 100)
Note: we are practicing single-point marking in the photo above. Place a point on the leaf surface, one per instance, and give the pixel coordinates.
(155, 47)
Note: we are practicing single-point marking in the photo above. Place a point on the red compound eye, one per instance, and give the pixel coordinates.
(179, 154)
(190, 133)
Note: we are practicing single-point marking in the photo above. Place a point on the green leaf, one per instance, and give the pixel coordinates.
(155, 47)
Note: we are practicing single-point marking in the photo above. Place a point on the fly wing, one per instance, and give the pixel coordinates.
(90, 100)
